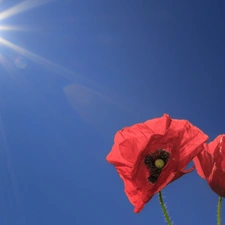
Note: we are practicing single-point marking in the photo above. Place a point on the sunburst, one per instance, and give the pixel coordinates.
(25, 53)
(8, 13)
(72, 92)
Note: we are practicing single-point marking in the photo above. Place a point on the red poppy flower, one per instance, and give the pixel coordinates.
(210, 164)
(150, 155)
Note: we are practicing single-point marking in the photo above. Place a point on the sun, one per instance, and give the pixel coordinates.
(25, 54)
(19, 8)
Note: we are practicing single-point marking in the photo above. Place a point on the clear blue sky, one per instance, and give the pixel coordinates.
(73, 72)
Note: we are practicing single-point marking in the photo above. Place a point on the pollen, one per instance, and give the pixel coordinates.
(159, 163)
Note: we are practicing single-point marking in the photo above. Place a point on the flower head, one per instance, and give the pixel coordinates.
(150, 155)
(210, 164)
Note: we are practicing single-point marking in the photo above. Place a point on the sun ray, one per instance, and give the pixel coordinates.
(27, 53)
(41, 60)
(22, 7)
(12, 28)
(68, 74)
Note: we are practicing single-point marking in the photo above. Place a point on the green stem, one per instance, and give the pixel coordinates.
(165, 213)
(219, 211)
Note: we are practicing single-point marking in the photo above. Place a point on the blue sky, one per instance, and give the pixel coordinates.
(72, 73)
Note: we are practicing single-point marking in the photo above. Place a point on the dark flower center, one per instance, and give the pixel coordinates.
(155, 163)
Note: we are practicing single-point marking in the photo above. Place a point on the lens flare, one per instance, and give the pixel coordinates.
(20, 62)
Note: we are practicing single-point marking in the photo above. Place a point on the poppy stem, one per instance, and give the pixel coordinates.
(165, 213)
(219, 211)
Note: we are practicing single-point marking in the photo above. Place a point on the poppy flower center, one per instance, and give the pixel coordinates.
(159, 163)
(155, 163)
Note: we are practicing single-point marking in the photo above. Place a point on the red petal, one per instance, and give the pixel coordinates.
(204, 163)
(217, 181)
(192, 141)
(210, 164)
(130, 142)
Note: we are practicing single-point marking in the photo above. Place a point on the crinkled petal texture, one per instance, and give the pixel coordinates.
(210, 164)
(179, 138)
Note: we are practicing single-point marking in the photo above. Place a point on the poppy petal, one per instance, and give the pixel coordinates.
(216, 181)
(191, 142)
(204, 163)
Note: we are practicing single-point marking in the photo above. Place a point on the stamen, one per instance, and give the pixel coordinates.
(155, 164)
(159, 163)
(149, 161)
